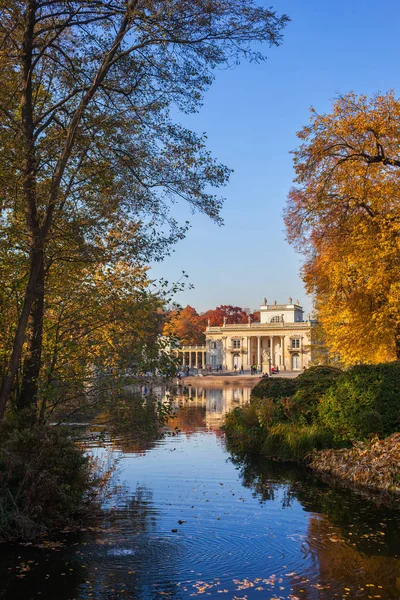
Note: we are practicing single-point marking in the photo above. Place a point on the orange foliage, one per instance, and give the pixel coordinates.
(186, 325)
(189, 327)
(232, 314)
(344, 215)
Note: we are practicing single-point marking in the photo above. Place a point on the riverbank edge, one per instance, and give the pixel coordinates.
(372, 466)
(359, 468)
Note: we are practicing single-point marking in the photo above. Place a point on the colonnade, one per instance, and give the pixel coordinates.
(266, 351)
(195, 358)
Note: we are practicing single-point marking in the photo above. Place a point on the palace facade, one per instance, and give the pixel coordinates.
(281, 339)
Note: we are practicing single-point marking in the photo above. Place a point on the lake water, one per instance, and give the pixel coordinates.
(186, 519)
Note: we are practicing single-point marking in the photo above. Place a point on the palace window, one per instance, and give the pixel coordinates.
(295, 343)
(213, 345)
(236, 343)
(275, 319)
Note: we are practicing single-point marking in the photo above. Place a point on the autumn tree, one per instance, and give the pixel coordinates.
(344, 215)
(255, 316)
(87, 139)
(189, 327)
(231, 314)
(186, 325)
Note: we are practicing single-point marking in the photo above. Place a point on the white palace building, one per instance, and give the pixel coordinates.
(282, 338)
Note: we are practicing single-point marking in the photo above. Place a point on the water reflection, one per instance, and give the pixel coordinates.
(187, 519)
(214, 401)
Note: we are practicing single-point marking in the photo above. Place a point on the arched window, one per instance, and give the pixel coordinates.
(275, 319)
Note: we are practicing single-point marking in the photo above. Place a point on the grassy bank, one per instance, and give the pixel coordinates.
(323, 413)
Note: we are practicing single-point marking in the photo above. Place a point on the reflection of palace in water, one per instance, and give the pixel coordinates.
(216, 401)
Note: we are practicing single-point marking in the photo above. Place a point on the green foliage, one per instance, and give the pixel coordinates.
(311, 385)
(364, 401)
(280, 399)
(274, 387)
(243, 429)
(322, 408)
(287, 441)
(45, 480)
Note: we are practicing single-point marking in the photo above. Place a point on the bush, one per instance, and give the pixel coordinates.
(45, 480)
(364, 401)
(311, 386)
(322, 408)
(274, 387)
(280, 400)
(295, 442)
(243, 429)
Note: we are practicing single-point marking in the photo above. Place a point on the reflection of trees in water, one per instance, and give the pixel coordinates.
(94, 564)
(353, 540)
(134, 421)
(345, 565)
(265, 482)
(189, 419)
(131, 512)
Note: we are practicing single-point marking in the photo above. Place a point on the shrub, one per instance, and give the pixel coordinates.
(364, 401)
(243, 429)
(274, 387)
(45, 480)
(295, 442)
(311, 386)
(293, 399)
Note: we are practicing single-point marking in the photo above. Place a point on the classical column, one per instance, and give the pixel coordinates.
(301, 354)
(183, 359)
(283, 350)
(224, 354)
(271, 352)
(258, 350)
(196, 359)
(249, 351)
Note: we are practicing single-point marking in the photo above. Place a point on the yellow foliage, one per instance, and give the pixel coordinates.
(344, 215)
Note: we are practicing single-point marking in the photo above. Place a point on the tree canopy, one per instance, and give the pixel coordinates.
(344, 215)
(91, 157)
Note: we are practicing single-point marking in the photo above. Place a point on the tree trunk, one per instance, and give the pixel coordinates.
(33, 362)
(30, 295)
(39, 232)
(29, 194)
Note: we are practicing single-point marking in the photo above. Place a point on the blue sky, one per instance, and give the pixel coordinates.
(251, 115)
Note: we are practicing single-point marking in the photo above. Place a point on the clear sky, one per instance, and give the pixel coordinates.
(251, 115)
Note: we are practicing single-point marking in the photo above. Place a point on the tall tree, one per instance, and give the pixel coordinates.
(344, 215)
(85, 97)
(187, 326)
